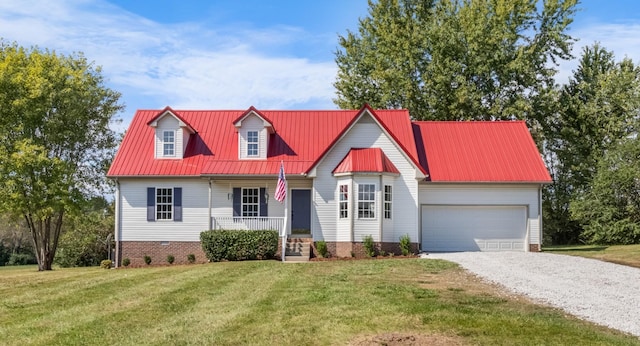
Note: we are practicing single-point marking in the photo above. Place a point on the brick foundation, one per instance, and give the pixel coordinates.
(356, 249)
(535, 248)
(158, 251)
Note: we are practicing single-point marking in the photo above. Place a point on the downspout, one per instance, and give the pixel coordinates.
(540, 217)
(210, 217)
(116, 230)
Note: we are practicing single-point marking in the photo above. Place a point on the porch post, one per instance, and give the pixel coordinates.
(283, 233)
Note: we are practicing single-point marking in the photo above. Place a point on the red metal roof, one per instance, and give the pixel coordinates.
(361, 160)
(479, 151)
(301, 138)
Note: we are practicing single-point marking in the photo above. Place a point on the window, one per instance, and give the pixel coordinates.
(344, 201)
(252, 143)
(164, 204)
(168, 143)
(387, 201)
(366, 201)
(250, 202)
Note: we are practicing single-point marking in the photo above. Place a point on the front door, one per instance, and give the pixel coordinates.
(301, 212)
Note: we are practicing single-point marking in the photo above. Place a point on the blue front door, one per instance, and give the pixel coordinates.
(300, 211)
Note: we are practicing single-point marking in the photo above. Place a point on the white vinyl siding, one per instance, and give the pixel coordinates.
(133, 217)
(517, 195)
(252, 137)
(365, 134)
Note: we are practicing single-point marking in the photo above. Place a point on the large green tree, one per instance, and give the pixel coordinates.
(455, 59)
(55, 138)
(596, 110)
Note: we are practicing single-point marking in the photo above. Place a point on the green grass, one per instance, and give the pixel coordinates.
(271, 303)
(621, 254)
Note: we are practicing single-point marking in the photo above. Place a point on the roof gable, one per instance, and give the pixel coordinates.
(480, 151)
(167, 111)
(253, 111)
(397, 128)
(365, 160)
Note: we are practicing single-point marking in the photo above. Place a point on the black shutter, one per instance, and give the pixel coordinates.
(151, 204)
(177, 204)
(263, 202)
(237, 205)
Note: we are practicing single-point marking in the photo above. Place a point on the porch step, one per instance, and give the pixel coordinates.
(297, 250)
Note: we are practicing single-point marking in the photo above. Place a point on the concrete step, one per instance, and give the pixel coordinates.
(297, 250)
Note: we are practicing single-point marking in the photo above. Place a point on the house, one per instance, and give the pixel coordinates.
(450, 186)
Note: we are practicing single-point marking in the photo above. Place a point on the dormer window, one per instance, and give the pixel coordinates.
(168, 143)
(252, 143)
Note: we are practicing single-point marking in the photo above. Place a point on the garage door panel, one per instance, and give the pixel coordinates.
(473, 228)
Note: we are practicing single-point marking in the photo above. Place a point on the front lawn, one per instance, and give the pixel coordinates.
(621, 254)
(271, 303)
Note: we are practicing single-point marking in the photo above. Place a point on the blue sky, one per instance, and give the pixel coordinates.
(230, 54)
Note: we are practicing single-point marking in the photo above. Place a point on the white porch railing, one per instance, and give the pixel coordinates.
(248, 223)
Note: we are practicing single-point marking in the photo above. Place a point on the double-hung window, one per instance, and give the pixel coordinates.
(164, 204)
(344, 201)
(252, 143)
(366, 201)
(250, 202)
(387, 201)
(168, 143)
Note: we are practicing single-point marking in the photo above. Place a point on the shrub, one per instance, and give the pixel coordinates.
(191, 258)
(147, 259)
(405, 245)
(126, 262)
(171, 259)
(369, 246)
(106, 264)
(322, 248)
(237, 245)
(18, 259)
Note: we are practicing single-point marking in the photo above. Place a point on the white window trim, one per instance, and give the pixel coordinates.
(242, 203)
(256, 143)
(387, 203)
(372, 205)
(163, 143)
(344, 201)
(170, 204)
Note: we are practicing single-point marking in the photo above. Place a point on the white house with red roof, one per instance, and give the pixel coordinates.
(449, 186)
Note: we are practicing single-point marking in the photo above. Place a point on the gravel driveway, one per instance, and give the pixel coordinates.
(601, 292)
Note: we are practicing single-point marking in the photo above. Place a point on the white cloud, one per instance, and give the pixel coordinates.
(184, 65)
(621, 38)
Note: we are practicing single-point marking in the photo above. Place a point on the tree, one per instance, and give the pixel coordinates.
(455, 59)
(597, 109)
(55, 139)
(610, 210)
(85, 239)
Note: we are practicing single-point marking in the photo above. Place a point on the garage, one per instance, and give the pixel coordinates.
(474, 228)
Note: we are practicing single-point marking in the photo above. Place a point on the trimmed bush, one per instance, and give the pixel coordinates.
(238, 245)
(171, 259)
(147, 259)
(322, 248)
(405, 245)
(126, 262)
(191, 258)
(106, 264)
(369, 246)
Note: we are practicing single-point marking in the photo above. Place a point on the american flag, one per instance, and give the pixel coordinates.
(281, 189)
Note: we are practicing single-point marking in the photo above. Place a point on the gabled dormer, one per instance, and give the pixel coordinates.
(172, 134)
(253, 134)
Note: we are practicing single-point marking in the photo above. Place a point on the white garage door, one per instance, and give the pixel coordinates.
(473, 228)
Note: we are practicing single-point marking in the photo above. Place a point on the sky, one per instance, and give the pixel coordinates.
(232, 54)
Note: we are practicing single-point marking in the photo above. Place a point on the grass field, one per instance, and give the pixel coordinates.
(621, 254)
(271, 303)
